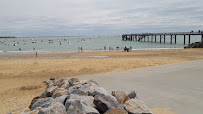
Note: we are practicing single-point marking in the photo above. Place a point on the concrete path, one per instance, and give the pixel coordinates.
(178, 87)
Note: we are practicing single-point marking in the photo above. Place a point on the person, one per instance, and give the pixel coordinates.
(19, 49)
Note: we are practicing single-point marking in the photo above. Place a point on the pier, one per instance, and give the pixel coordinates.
(152, 37)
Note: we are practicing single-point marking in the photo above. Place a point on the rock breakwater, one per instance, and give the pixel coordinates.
(195, 45)
(75, 96)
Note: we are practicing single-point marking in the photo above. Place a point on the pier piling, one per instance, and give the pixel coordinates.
(164, 38)
(175, 39)
(184, 39)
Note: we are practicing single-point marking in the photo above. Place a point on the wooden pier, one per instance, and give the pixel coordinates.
(152, 37)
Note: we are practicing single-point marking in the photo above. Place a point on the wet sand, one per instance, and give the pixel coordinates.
(21, 77)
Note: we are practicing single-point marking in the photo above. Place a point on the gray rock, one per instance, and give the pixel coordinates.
(79, 107)
(133, 94)
(50, 91)
(106, 102)
(73, 80)
(59, 92)
(35, 99)
(134, 106)
(56, 108)
(120, 96)
(82, 88)
(87, 99)
(66, 85)
(61, 99)
(43, 102)
(98, 91)
(93, 81)
(79, 92)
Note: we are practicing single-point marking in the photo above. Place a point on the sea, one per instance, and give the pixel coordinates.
(65, 44)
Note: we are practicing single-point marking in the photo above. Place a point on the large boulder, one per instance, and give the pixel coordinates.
(43, 102)
(56, 108)
(120, 96)
(61, 99)
(116, 111)
(98, 91)
(134, 106)
(79, 107)
(106, 102)
(87, 99)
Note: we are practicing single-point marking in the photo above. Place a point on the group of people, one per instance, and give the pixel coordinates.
(80, 49)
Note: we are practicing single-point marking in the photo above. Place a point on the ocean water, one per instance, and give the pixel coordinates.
(46, 45)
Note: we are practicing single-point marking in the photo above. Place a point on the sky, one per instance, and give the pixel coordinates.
(23, 18)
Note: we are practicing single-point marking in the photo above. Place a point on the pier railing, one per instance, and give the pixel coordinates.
(170, 33)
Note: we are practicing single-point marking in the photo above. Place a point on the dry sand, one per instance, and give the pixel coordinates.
(21, 78)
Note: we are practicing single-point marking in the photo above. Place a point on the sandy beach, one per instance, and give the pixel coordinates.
(21, 76)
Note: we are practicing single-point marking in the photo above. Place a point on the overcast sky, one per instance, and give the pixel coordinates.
(98, 17)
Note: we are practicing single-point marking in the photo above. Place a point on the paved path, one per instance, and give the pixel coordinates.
(178, 87)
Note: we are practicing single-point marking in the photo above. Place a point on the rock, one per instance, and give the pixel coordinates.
(98, 91)
(120, 96)
(50, 91)
(35, 100)
(79, 107)
(61, 99)
(57, 108)
(134, 106)
(80, 82)
(73, 80)
(104, 103)
(195, 45)
(92, 81)
(52, 79)
(116, 111)
(58, 83)
(82, 88)
(133, 94)
(59, 92)
(87, 99)
(79, 92)
(66, 85)
(33, 112)
(42, 102)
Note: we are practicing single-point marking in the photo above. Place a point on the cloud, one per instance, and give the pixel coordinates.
(97, 17)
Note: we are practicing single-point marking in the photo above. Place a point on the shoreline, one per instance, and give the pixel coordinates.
(16, 74)
(84, 51)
